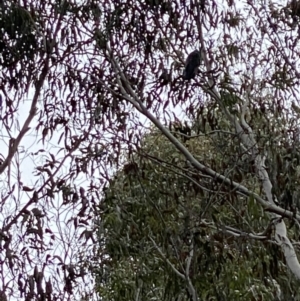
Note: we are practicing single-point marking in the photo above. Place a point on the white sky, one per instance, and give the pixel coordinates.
(30, 145)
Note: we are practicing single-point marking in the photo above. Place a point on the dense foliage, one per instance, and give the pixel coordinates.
(158, 208)
(81, 82)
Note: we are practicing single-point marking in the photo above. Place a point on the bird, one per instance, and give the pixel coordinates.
(192, 63)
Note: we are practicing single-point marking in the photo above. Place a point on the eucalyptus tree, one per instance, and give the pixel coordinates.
(81, 82)
(244, 99)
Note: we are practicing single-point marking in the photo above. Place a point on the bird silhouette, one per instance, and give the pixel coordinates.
(191, 65)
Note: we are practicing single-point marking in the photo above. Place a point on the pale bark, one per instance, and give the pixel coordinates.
(247, 138)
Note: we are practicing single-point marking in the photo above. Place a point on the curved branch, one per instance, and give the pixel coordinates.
(248, 139)
(14, 143)
(138, 104)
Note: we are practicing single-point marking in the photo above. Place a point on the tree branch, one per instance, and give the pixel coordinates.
(246, 138)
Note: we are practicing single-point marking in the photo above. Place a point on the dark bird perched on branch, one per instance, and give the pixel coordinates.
(191, 65)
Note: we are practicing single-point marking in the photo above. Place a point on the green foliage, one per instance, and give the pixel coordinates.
(87, 74)
(18, 36)
(153, 205)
